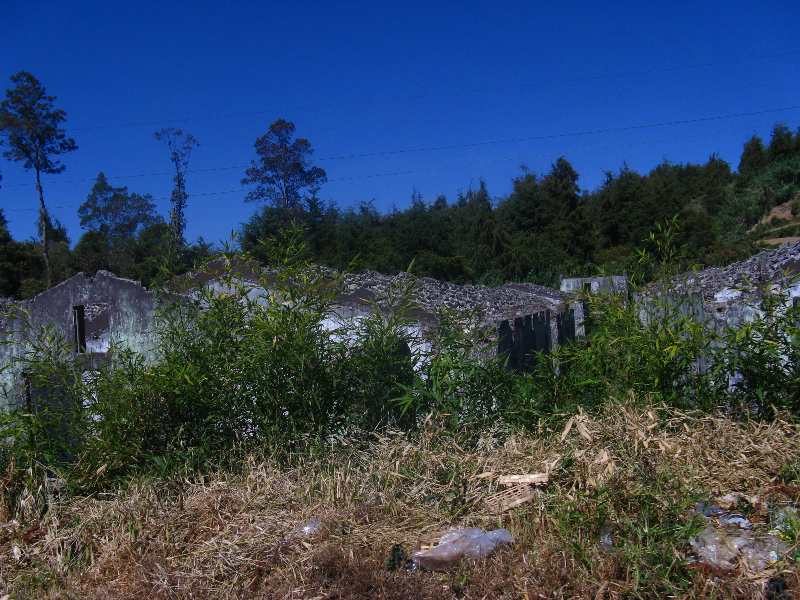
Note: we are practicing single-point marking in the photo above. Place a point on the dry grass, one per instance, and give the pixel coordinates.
(223, 536)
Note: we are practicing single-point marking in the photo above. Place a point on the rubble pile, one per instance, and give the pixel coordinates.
(751, 276)
(492, 304)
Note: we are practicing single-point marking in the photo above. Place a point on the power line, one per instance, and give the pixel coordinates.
(486, 162)
(477, 163)
(556, 135)
(447, 93)
(450, 147)
(472, 116)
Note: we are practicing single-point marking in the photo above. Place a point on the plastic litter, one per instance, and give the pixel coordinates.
(709, 511)
(606, 541)
(727, 550)
(723, 517)
(736, 520)
(785, 522)
(456, 544)
(310, 527)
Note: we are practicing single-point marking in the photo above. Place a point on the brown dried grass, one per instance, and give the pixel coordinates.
(223, 536)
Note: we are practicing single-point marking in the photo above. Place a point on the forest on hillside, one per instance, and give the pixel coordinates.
(545, 228)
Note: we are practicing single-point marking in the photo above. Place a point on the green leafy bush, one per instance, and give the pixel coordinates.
(743, 209)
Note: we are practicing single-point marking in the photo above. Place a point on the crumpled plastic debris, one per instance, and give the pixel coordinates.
(785, 522)
(727, 550)
(723, 517)
(310, 527)
(456, 544)
(735, 519)
(606, 541)
(709, 512)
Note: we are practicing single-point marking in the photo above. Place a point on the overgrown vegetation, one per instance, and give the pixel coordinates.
(171, 471)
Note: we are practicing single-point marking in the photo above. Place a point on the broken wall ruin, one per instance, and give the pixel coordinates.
(91, 313)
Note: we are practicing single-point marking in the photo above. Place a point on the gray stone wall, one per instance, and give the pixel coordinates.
(113, 310)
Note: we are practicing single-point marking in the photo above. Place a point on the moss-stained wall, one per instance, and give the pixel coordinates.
(117, 311)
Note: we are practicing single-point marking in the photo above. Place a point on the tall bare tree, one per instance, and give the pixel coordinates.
(180, 147)
(30, 128)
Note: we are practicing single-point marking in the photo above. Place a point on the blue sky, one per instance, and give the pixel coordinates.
(392, 95)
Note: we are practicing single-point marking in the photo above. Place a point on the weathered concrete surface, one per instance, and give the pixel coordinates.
(616, 284)
(746, 281)
(113, 310)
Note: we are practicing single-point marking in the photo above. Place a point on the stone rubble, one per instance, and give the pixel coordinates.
(491, 304)
(745, 281)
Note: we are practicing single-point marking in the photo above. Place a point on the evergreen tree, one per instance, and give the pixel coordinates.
(753, 159)
(283, 169)
(781, 144)
(115, 213)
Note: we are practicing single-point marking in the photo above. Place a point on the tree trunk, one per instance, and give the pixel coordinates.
(45, 218)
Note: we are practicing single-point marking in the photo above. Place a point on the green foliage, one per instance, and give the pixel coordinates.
(460, 377)
(19, 262)
(237, 369)
(283, 169)
(753, 159)
(777, 183)
(31, 126)
(267, 365)
(659, 346)
(44, 430)
(115, 213)
(645, 521)
(33, 134)
(180, 148)
(778, 221)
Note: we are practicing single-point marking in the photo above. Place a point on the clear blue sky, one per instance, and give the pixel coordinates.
(383, 83)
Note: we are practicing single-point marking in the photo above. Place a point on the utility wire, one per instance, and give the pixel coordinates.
(556, 135)
(472, 164)
(450, 147)
(472, 116)
(447, 93)
(486, 162)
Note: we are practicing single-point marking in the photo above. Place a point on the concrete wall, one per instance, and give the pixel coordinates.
(114, 311)
(616, 284)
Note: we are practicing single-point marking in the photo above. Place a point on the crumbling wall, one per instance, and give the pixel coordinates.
(616, 284)
(731, 295)
(91, 313)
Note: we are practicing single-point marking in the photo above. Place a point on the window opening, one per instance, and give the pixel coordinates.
(79, 327)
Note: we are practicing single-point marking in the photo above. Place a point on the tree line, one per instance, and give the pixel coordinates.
(545, 228)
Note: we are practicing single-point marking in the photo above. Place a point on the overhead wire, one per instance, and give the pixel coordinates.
(448, 147)
(470, 116)
(476, 163)
(456, 92)
(446, 93)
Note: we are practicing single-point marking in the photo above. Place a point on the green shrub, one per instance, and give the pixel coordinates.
(743, 209)
(238, 372)
(778, 221)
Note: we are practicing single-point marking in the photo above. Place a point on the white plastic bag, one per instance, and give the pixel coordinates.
(310, 527)
(461, 543)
